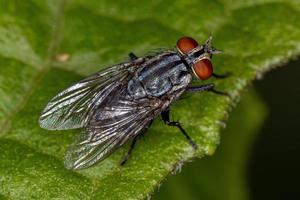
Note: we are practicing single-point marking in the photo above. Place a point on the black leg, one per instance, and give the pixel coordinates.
(207, 87)
(166, 118)
(124, 160)
(200, 88)
(132, 56)
(220, 75)
(219, 92)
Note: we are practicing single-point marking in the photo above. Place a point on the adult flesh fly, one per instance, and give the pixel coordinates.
(119, 103)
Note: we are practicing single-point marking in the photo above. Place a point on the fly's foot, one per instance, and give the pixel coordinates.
(124, 160)
(166, 118)
(219, 92)
(220, 76)
(132, 56)
(207, 87)
(194, 145)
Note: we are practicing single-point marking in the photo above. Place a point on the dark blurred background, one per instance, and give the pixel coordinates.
(269, 157)
(274, 166)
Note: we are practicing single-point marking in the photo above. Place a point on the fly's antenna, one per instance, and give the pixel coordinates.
(214, 51)
(207, 44)
(208, 48)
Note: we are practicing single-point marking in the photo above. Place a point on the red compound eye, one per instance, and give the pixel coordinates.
(203, 69)
(186, 44)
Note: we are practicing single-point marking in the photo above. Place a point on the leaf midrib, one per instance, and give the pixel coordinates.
(56, 36)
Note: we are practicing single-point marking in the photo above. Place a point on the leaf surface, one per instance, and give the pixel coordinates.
(47, 45)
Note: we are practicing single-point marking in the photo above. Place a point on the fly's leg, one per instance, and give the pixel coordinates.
(124, 160)
(207, 87)
(132, 56)
(166, 118)
(219, 92)
(220, 75)
(201, 88)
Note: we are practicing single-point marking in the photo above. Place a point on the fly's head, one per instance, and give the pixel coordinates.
(198, 57)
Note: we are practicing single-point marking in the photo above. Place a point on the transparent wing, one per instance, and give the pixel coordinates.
(114, 124)
(72, 107)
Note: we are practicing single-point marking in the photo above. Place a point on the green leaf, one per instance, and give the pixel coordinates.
(224, 175)
(35, 36)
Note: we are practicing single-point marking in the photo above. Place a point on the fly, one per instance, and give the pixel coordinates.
(119, 103)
